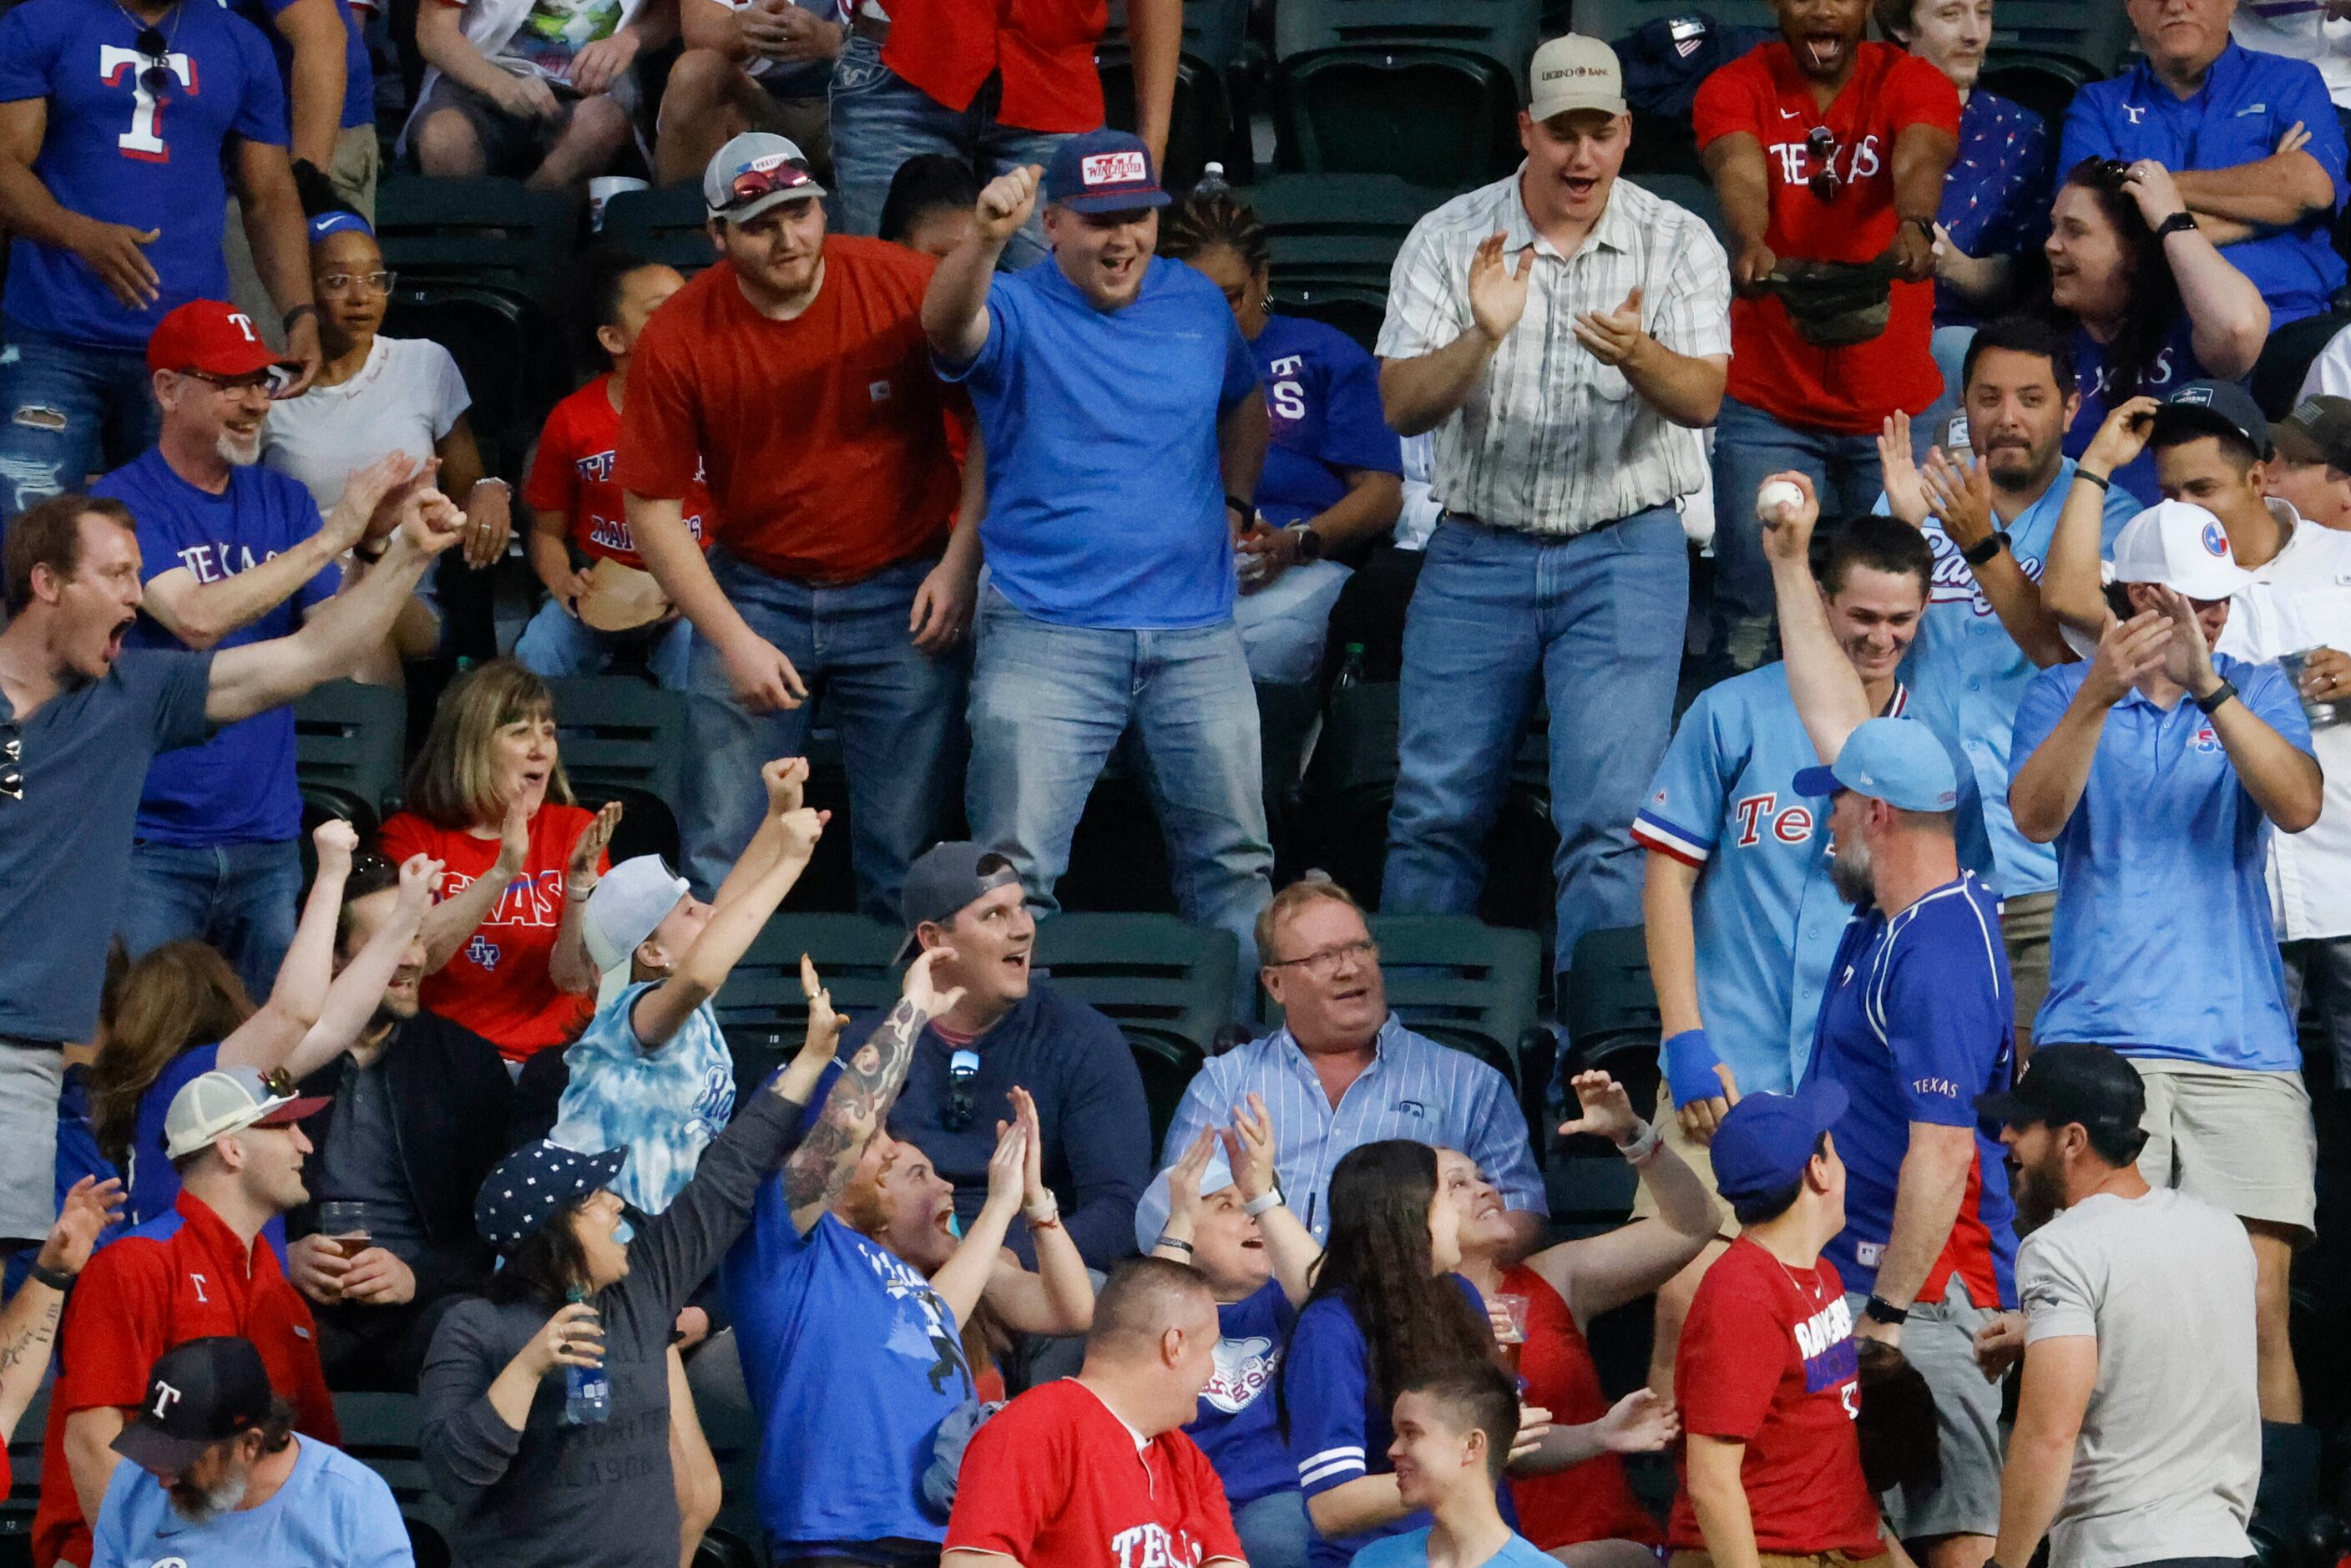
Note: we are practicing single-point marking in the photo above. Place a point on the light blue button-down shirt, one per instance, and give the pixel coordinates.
(1414, 1088)
(1966, 673)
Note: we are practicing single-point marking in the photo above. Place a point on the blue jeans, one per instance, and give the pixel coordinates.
(556, 644)
(1048, 704)
(238, 897)
(894, 707)
(1274, 1530)
(1284, 624)
(1498, 622)
(880, 120)
(67, 412)
(1749, 447)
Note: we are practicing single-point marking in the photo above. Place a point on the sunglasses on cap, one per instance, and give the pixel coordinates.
(752, 185)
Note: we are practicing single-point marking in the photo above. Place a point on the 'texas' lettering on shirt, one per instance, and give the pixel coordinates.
(1150, 1546)
(535, 899)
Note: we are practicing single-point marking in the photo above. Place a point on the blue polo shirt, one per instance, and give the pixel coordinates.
(1919, 1019)
(1323, 395)
(2163, 943)
(1105, 505)
(1966, 673)
(237, 788)
(2246, 104)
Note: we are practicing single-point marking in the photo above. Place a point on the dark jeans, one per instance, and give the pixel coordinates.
(377, 1350)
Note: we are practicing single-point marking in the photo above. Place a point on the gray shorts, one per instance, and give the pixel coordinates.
(2238, 1139)
(1939, 1340)
(31, 1074)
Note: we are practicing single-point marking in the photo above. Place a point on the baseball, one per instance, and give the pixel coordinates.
(1777, 498)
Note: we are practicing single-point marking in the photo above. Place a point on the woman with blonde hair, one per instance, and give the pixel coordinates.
(505, 949)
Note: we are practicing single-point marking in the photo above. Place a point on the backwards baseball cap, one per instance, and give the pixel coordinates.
(630, 901)
(209, 335)
(1897, 761)
(944, 878)
(2067, 1083)
(756, 170)
(200, 1392)
(2317, 430)
(229, 1099)
(2181, 546)
(1103, 171)
(2211, 408)
(1575, 72)
(1151, 1213)
(1764, 1143)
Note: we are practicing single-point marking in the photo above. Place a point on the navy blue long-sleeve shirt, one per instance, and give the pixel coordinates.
(1090, 1104)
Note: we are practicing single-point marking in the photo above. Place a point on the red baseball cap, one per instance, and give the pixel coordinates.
(211, 335)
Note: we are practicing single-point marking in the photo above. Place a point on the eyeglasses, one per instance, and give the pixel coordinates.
(752, 185)
(1325, 963)
(12, 761)
(962, 1067)
(157, 49)
(259, 380)
(1822, 143)
(358, 282)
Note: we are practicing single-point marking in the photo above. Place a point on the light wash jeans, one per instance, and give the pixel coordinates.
(1749, 446)
(1285, 625)
(1048, 704)
(880, 120)
(1498, 622)
(896, 709)
(1274, 1530)
(238, 897)
(557, 643)
(67, 412)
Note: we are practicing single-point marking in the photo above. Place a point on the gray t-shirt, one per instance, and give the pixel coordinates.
(2170, 1450)
(361, 1163)
(65, 846)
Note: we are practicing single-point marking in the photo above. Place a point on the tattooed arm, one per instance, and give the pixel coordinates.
(862, 1095)
(29, 1325)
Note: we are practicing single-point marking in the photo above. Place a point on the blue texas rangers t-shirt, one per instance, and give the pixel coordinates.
(115, 152)
(1235, 1426)
(238, 787)
(1323, 395)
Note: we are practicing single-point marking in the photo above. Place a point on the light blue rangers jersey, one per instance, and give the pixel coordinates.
(1767, 918)
(664, 1106)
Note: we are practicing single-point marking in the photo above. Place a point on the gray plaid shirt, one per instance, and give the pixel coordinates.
(1552, 441)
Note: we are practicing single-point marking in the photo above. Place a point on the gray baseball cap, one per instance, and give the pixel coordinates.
(756, 170)
(944, 878)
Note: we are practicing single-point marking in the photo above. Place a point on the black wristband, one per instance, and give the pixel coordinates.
(287, 320)
(1235, 504)
(2210, 703)
(2182, 221)
(1983, 551)
(54, 1278)
(1878, 1310)
(2100, 480)
(1167, 1241)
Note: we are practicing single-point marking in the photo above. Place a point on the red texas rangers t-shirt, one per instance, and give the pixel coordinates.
(573, 475)
(1849, 390)
(1767, 1360)
(1054, 1478)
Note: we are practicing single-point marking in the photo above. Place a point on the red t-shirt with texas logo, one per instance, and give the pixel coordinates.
(1767, 1360)
(573, 475)
(1056, 1477)
(496, 983)
(1850, 390)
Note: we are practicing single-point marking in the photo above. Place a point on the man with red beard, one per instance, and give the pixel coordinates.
(416, 1117)
(861, 1305)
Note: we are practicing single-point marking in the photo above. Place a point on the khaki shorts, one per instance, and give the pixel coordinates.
(2238, 1139)
(1694, 1155)
(2024, 925)
(1939, 1340)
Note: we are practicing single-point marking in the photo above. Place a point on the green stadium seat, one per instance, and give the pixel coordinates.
(623, 739)
(1167, 986)
(666, 226)
(509, 348)
(760, 1006)
(380, 1431)
(24, 1484)
(348, 742)
(1334, 239)
(489, 233)
(1399, 87)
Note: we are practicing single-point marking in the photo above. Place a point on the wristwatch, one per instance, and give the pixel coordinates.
(1983, 550)
(1310, 543)
(1270, 1199)
(2180, 222)
(2211, 702)
(1880, 1311)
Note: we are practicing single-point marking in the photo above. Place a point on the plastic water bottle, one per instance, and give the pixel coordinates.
(586, 1390)
(1350, 667)
(1212, 182)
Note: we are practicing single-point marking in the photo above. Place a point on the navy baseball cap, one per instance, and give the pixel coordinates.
(1763, 1145)
(1897, 761)
(524, 1190)
(201, 1391)
(2211, 408)
(1103, 171)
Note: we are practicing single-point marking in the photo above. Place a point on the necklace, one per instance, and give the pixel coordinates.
(178, 15)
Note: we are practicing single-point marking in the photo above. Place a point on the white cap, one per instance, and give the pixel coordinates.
(1151, 1211)
(629, 900)
(229, 1099)
(2181, 546)
(1575, 72)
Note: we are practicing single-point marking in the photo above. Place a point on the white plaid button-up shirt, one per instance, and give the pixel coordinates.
(1551, 441)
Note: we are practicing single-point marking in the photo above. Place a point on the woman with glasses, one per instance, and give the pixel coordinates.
(376, 395)
(2153, 304)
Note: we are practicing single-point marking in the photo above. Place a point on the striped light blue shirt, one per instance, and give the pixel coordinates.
(1414, 1088)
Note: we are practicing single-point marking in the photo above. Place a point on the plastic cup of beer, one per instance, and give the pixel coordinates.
(344, 1226)
(1511, 1325)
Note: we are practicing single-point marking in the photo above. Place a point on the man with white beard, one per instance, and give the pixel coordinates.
(233, 553)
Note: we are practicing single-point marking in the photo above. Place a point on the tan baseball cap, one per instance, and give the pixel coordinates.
(1575, 72)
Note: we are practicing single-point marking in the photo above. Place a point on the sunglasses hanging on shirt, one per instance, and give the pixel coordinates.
(962, 1067)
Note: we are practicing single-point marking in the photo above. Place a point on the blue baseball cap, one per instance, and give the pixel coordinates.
(1763, 1145)
(1103, 171)
(1152, 1209)
(1897, 761)
(526, 1190)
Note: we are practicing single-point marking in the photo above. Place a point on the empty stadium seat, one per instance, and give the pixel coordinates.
(664, 226)
(492, 233)
(623, 739)
(1399, 87)
(380, 1431)
(509, 348)
(761, 1009)
(1167, 986)
(1208, 120)
(348, 746)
